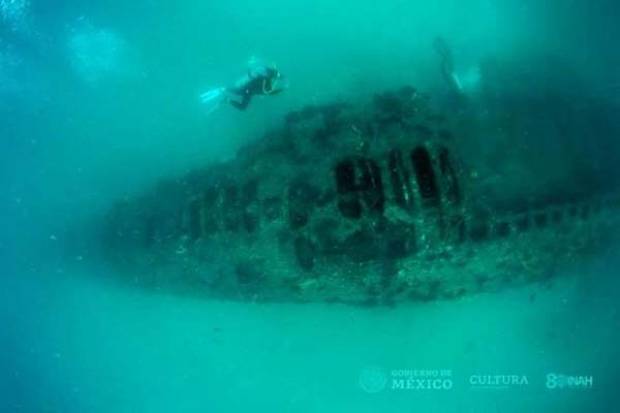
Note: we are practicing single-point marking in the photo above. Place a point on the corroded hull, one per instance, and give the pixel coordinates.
(368, 204)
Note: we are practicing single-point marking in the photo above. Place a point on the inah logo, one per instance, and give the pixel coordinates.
(561, 381)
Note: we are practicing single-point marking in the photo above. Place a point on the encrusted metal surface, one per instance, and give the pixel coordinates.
(360, 204)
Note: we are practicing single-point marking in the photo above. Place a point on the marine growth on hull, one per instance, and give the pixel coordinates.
(371, 202)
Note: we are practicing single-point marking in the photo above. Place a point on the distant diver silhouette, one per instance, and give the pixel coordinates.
(261, 79)
(447, 65)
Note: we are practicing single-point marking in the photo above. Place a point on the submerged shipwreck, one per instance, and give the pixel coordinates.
(375, 202)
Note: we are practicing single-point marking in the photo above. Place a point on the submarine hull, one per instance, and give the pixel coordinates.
(368, 204)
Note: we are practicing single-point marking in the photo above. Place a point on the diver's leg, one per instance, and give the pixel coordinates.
(244, 102)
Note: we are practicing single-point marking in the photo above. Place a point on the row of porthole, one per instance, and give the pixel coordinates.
(537, 219)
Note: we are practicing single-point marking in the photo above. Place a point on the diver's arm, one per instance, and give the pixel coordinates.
(269, 88)
(276, 91)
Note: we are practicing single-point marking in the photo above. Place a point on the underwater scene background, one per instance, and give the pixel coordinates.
(100, 103)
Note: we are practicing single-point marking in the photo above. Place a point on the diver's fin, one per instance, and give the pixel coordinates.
(213, 98)
(212, 94)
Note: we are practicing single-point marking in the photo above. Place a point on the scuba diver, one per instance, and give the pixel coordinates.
(464, 85)
(261, 79)
(447, 66)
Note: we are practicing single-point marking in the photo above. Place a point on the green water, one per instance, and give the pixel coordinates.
(99, 100)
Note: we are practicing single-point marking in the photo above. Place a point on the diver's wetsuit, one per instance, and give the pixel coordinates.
(447, 64)
(456, 99)
(254, 84)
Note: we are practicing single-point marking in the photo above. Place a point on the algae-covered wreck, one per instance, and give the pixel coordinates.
(359, 203)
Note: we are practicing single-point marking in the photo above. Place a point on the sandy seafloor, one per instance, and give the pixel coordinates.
(73, 342)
